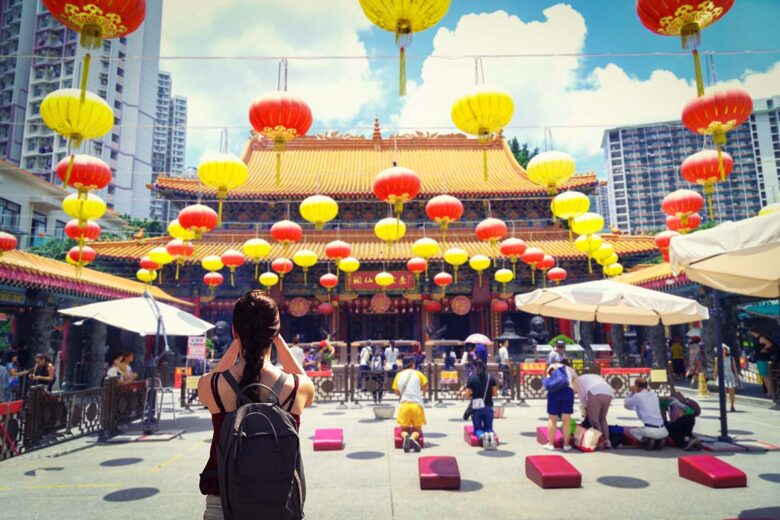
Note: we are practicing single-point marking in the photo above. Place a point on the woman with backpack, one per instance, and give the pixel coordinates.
(271, 402)
(559, 384)
(481, 388)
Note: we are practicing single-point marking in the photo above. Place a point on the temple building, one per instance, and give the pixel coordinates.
(344, 167)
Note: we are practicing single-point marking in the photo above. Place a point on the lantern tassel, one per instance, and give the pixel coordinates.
(456, 274)
(709, 190)
(160, 280)
(590, 265)
(257, 266)
(177, 271)
(484, 164)
(514, 267)
(533, 274)
(69, 170)
(278, 168)
(85, 76)
(402, 73)
(571, 235)
(480, 278)
(305, 277)
(699, 77)
(544, 280)
(721, 168)
(232, 278)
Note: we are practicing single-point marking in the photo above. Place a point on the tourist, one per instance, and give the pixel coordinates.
(311, 361)
(695, 357)
(410, 384)
(391, 360)
(595, 396)
(468, 360)
(419, 356)
(377, 370)
(481, 388)
(481, 353)
(116, 370)
(730, 375)
(647, 406)
(128, 374)
(297, 351)
(43, 372)
(503, 366)
(365, 359)
(560, 403)
(679, 414)
(647, 354)
(558, 353)
(766, 351)
(326, 355)
(256, 326)
(678, 358)
(450, 359)
(14, 373)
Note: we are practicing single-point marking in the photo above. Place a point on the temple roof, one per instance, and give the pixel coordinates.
(653, 276)
(345, 166)
(22, 269)
(367, 248)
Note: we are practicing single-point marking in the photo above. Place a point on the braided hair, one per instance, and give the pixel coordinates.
(256, 322)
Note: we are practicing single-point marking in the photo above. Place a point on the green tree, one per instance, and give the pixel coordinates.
(522, 153)
(56, 249)
(151, 227)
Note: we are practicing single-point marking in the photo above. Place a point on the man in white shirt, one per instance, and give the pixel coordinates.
(297, 351)
(558, 353)
(364, 360)
(648, 409)
(391, 359)
(503, 365)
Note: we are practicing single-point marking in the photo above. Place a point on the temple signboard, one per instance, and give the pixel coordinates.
(364, 281)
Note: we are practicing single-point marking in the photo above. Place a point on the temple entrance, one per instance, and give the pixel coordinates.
(308, 327)
(458, 327)
(381, 326)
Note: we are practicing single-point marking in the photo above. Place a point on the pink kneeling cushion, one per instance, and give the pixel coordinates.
(331, 439)
(438, 472)
(552, 471)
(399, 441)
(470, 437)
(710, 471)
(541, 436)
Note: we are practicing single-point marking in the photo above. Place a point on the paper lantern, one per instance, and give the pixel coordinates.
(442, 280)
(531, 257)
(282, 266)
(491, 230)
(96, 20)
(146, 276)
(588, 224)
(213, 280)
(417, 266)
(570, 205)
(232, 259)
(212, 263)
(403, 18)
(499, 306)
(557, 275)
(432, 306)
(704, 168)
(611, 259)
(161, 257)
(287, 232)
(223, 172)
(349, 265)
(305, 258)
(425, 248)
(83, 208)
(769, 209)
(280, 118)
(605, 250)
(682, 204)
(479, 263)
(256, 249)
(198, 219)
(67, 114)
(444, 210)
(396, 186)
(178, 232)
(82, 257)
(503, 276)
(550, 169)
(675, 223)
(547, 263)
(319, 210)
(662, 242)
(613, 270)
(337, 250)
(390, 230)
(84, 173)
(8, 242)
(326, 309)
(512, 248)
(588, 244)
(384, 280)
(483, 114)
(329, 281)
(268, 279)
(179, 250)
(147, 263)
(456, 257)
(82, 231)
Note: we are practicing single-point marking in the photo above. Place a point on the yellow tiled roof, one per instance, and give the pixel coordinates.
(24, 269)
(366, 247)
(347, 167)
(648, 273)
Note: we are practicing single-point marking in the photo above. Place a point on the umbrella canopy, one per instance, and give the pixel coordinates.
(139, 315)
(738, 257)
(478, 338)
(607, 301)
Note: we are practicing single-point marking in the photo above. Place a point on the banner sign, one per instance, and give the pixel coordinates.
(196, 347)
(364, 280)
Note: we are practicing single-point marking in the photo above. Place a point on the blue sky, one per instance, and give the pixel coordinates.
(557, 92)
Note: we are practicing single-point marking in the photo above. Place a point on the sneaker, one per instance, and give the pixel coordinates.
(548, 447)
(692, 443)
(415, 445)
(407, 443)
(647, 444)
(494, 441)
(567, 448)
(659, 444)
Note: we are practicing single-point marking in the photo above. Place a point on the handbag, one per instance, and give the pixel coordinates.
(478, 404)
(558, 380)
(586, 439)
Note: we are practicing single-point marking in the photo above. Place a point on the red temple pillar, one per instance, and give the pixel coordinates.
(565, 327)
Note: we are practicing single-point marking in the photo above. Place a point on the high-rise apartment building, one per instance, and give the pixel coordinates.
(170, 137)
(128, 86)
(643, 165)
(600, 202)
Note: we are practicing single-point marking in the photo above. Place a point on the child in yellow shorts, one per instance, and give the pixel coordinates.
(410, 385)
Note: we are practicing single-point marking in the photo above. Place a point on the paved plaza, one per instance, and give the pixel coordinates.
(369, 479)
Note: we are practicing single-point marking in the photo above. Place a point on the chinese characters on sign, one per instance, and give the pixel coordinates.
(364, 280)
(196, 347)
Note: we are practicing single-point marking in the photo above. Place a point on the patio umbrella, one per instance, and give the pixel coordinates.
(479, 338)
(607, 301)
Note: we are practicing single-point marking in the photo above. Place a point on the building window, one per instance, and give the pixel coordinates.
(119, 88)
(59, 229)
(114, 138)
(9, 214)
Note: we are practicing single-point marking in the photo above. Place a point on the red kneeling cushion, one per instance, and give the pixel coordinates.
(552, 471)
(471, 439)
(710, 471)
(438, 472)
(541, 437)
(330, 439)
(399, 441)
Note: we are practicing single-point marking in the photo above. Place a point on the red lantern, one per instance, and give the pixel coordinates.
(682, 204)
(532, 256)
(491, 230)
(180, 250)
(146, 263)
(8, 242)
(287, 232)
(674, 223)
(280, 118)
(557, 275)
(325, 309)
(547, 263)
(499, 306)
(84, 173)
(329, 281)
(96, 20)
(512, 248)
(338, 250)
(444, 210)
(431, 306)
(82, 256)
(213, 280)
(417, 266)
(198, 219)
(233, 259)
(662, 241)
(397, 186)
(282, 266)
(704, 168)
(88, 231)
(442, 280)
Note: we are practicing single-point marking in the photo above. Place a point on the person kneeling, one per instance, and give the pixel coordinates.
(484, 385)
(647, 406)
(410, 385)
(681, 413)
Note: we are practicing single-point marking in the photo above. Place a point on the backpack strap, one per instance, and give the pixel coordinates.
(279, 384)
(290, 401)
(215, 391)
(243, 399)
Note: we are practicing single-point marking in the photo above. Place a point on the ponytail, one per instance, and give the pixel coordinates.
(256, 322)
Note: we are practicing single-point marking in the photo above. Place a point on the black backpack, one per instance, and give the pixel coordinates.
(259, 462)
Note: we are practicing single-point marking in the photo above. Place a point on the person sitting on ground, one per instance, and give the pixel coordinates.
(311, 361)
(14, 373)
(648, 409)
(730, 375)
(557, 354)
(128, 375)
(42, 372)
(255, 330)
(595, 396)
(481, 388)
(410, 384)
(679, 413)
(560, 403)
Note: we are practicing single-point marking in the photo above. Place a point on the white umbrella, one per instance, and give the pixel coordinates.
(740, 257)
(139, 315)
(479, 338)
(607, 301)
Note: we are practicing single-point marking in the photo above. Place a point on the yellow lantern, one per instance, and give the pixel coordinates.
(588, 224)
(404, 18)
(613, 270)
(570, 205)
(83, 208)
(178, 232)
(390, 230)
(349, 265)
(161, 257)
(603, 252)
(456, 257)
(425, 248)
(504, 276)
(304, 259)
(611, 259)
(268, 279)
(146, 276)
(769, 208)
(256, 249)
(319, 210)
(66, 114)
(384, 280)
(212, 263)
(479, 263)
(223, 172)
(588, 244)
(483, 114)
(549, 169)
